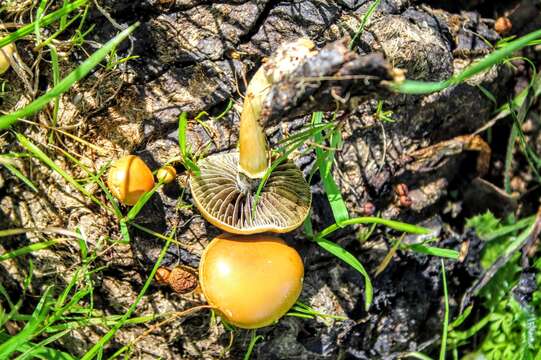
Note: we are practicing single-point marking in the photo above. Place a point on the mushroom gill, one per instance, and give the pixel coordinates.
(226, 197)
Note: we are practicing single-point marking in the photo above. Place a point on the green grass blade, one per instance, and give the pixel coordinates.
(286, 149)
(507, 172)
(47, 161)
(326, 159)
(446, 316)
(300, 308)
(53, 230)
(307, 226)
(299, 315)
(488, 94)
(64, 85)
(303, 135)
(478, 326)
(141, 202)
(348, 258)
(461, 318)
(49, 40)
(186, 156)
(56, 80)
(64, 18)
(364, 20)
(28, 249)
(497, 56)
(45, 21)
(21, 177)
(94, 350)
(503, 230)
(40, 351)
(421, 87)
(396, 225)
(30, 329)
(435, 251)
(334, 194)
(37, 23)
(96, 177)
(352, 261)
(518, 241)
(182, 126)
(417, 355)
(229, 106)
(12, 306)
(125, 232)
(253, 340)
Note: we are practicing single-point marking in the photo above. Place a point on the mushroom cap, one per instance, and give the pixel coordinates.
(251, 280)
(226, 199)
(5, 55)
(129, 178)
(166, 174)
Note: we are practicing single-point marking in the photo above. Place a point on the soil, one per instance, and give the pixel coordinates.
(195, 56)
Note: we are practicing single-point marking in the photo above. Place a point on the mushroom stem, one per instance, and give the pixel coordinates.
(254, 153)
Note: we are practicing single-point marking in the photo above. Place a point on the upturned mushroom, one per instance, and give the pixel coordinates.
(224, 191)
(251, 280)
(129, 178)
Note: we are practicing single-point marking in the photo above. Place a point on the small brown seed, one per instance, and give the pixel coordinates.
(182, 279)
(503, 25)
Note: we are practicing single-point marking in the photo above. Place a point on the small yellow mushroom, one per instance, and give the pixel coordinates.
(6, 54)
(129, 178)
(251, 280)
(166, 174)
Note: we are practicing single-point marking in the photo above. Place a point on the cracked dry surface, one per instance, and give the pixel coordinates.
(194, 56)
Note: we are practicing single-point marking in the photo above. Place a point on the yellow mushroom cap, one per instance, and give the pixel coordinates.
(129, 178)
(6, 54)
(166, 174)
(251, 280)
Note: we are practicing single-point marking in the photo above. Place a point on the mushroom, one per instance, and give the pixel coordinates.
(166, 174)
(224, 191)
(129, 178)
(251, 280)
(6, 53)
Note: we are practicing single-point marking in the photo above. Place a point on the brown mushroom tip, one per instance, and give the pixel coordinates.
(129, 178)
(225, 197)
(166, 174)
(162, 276)
(251, 280)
